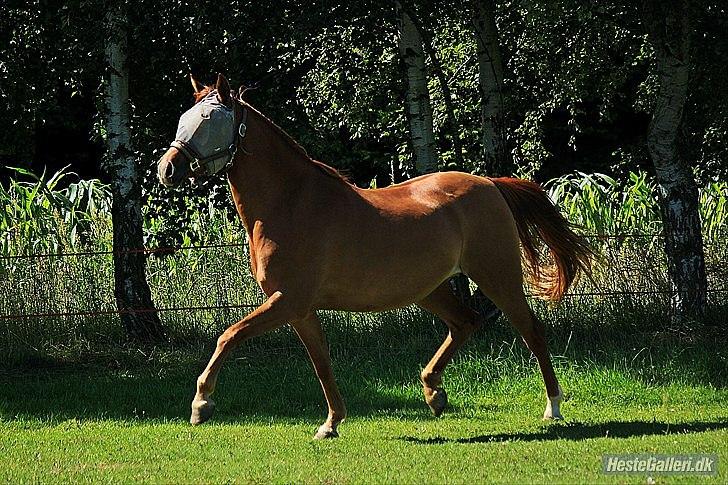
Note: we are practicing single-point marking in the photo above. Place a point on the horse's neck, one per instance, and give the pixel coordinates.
(268, 172)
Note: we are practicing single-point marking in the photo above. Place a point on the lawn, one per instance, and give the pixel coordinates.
(122, 416)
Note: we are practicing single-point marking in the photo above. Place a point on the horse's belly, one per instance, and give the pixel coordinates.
(385, 275)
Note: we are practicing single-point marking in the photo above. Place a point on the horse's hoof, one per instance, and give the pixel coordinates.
(325, 432)
(553, 407)
(202, 411)
(436, 399)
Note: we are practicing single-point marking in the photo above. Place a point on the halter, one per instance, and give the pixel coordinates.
(201, 165)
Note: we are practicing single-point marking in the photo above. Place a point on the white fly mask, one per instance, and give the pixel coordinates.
(206, 135)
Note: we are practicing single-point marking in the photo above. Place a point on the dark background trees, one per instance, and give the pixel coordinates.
(579, 80)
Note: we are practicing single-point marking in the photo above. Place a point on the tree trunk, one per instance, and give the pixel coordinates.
(668, 29)
(496, 156)
(452, 127)
(418, 109)
(132, 293)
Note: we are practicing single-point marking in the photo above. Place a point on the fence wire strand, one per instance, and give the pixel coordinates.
(188, 285)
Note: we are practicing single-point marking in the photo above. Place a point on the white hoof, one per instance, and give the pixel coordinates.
(202, 410)
(553, 411)
(325, 432)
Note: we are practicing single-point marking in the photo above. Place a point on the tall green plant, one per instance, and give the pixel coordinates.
(602, 205)
(714, 210)
(39, 216)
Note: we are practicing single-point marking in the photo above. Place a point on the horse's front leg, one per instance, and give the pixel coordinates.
(313, 338)
(277, 310)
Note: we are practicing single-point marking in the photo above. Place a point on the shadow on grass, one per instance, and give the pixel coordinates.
(580, 432)
(249, 390)
(373, 358)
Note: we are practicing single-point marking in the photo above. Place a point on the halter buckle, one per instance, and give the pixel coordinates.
(195, 165)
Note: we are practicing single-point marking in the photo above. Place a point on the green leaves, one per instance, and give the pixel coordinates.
(602, 205)
(39, 216)
(714, 210)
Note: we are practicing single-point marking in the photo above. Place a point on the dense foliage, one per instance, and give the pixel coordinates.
(580, 83)
(580, 86)
(43, 217)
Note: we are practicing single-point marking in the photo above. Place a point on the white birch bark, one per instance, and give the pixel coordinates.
(418, 108)
(132, 293)
(669, 31)
(451, 126)
(496, 157)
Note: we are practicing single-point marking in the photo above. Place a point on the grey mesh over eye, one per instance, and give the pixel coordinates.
(207, 128)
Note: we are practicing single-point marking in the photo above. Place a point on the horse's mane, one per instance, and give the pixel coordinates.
(327, 169)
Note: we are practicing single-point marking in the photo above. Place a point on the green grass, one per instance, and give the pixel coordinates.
(121, 416)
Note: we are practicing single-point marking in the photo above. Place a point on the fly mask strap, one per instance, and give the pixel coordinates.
(242, 131)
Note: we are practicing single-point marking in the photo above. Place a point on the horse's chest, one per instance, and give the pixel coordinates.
(266, 263)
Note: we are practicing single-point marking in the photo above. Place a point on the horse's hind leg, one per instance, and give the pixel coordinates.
(461, 322)
(533, 332)
(504, 287)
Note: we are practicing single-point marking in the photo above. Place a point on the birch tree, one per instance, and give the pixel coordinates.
(132, 293)
(418, 107)
(496, 156)
(668, 28)
(451, 125)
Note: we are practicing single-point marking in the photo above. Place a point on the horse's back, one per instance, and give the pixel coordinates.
(400, 242)
(434, 191)
(457, 202)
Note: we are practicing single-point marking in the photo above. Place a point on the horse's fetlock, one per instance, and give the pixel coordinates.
(436, 399)
(431, 379)
(204, 387)
(337, 417)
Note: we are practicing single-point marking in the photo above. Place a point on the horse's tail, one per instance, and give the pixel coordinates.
(539, 221)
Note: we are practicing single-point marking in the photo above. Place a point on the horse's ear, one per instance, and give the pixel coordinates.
(196, 86)
(223, 89)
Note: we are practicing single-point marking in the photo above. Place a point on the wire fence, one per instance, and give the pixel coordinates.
(200, 289)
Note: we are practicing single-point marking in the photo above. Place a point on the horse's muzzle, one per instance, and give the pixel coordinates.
(172, 168)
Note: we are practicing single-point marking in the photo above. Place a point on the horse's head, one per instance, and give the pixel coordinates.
(206, 138)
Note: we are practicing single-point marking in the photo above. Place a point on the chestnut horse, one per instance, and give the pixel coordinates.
(318, 242)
